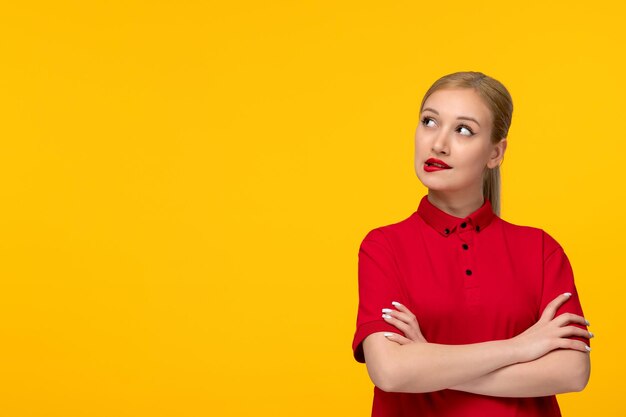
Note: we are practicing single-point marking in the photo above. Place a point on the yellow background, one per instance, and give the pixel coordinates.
(185, 186)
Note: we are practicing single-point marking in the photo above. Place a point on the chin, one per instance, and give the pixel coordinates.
(429, 182)
(441, 185)
(433, 185)
(438, 187)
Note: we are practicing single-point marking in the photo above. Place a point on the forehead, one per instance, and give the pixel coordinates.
(454, 102)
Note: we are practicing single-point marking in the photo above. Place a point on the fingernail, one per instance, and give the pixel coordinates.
(588, 348)
(591, 335)
(395, 303)
(386, 310)
(388, 334)
(587, 322)
(568, 294)
(386, 316)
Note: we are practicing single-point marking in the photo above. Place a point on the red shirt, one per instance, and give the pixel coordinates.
(467, 280)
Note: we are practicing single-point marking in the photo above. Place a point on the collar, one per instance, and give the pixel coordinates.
(446, 223)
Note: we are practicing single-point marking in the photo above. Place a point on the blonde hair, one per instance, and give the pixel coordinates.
(499, 101)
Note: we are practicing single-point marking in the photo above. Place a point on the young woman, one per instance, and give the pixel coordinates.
(462, 313)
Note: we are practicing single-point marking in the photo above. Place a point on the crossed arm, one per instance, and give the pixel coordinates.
(541, 361)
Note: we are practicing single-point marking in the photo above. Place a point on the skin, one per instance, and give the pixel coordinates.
(542, 360)
(465, 145)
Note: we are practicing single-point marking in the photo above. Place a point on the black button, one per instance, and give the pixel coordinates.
(446, 231)
(463, 225)
(468, 272)
(465, 246)
(477, 228)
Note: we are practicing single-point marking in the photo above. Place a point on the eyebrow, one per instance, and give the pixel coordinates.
(460, 117)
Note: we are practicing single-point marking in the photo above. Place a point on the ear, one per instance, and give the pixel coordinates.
(497, 154)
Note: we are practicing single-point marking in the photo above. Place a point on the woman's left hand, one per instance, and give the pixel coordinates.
(404, 320)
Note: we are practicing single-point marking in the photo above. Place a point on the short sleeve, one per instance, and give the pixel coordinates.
(378, 280)
(558, 278)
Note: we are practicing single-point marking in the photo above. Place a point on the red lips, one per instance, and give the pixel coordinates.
(431, 161)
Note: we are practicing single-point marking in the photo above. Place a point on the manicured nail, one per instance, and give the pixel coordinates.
(588, 348)
(395, 303)
(386, 310)
(591, 335)
(568, 294)
(386, 316)
(587, 322)
(388, 334)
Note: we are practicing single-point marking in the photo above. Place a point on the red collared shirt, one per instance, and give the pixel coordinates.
(467, 280)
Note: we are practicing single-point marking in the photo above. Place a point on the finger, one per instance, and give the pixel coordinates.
(565, 318)
(574, 345)
(418, 337)
(568, 331)
(553, 306)
(408, 314)
(398, 323)
(399, 315)
(395, 337)
(402, 308)
(413, 331)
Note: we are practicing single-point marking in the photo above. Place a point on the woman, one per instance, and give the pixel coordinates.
(460, 312)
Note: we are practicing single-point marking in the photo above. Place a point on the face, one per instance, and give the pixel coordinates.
(455, 128)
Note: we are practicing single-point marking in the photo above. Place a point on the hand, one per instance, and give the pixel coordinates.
(404, 320)
(550, 333)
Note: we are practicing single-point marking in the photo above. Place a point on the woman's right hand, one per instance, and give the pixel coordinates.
(550, 333)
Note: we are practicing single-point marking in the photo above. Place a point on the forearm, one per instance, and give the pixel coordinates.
(557, 372)
(427, 367)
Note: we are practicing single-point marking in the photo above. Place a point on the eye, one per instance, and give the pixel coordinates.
(426, 120)
(465, 131)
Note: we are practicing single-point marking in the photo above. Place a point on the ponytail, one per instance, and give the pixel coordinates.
(491, 188)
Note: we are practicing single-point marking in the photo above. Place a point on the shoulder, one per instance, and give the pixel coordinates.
(389, 235)
(531, 235)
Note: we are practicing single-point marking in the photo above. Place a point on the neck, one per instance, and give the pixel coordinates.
(458, 205)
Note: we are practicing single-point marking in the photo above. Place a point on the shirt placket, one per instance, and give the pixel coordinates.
(466, 234)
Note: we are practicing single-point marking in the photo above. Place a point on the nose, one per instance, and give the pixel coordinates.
(440, 143)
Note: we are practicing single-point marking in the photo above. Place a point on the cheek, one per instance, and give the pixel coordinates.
(476, 156)
(421, 144)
